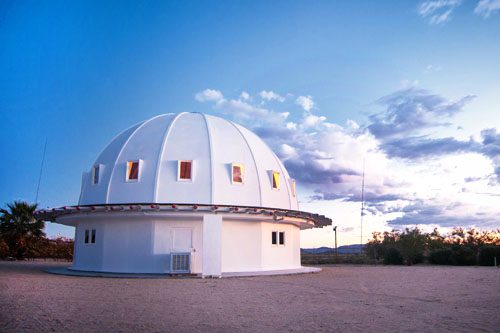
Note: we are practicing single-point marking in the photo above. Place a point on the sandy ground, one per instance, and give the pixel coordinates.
(341, 298)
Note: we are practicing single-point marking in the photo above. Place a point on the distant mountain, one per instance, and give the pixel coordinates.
(344, 249)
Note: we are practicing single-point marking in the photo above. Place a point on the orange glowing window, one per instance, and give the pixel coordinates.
(276, 180)
(185, 170)
(294, 188)
(237, 173)
(132, 170)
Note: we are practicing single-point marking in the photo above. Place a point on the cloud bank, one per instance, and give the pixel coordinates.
(411, 174)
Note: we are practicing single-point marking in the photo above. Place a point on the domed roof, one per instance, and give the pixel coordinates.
(188, 158)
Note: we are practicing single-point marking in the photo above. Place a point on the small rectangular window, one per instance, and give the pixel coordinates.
(132, 170)
(184, 170)
(86, 236)
(282, 238)
(274, 237)
(95, 174)
(237, 173)
(92, 239)
(276, 180)
(294, 188)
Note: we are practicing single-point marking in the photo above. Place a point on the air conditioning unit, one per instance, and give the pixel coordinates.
(180, 263)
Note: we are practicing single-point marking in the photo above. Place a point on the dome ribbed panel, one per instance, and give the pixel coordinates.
(144, 145)
(267, 163)
(230, 146)
(161, 156)
(188, 140)
(97, 194)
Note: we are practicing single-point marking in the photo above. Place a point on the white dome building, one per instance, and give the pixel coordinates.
(186, 193)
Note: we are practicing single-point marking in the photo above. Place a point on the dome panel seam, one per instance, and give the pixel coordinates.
(160, 156)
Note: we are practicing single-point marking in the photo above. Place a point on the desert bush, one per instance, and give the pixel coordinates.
(462, 256)
(412, 244)
(331, 258)
(441, 256)
(487, 255)
(393, 257)
(460, 247)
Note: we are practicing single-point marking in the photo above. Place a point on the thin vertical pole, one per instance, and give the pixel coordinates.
(362, 203)
(336, 249)
(41, 169)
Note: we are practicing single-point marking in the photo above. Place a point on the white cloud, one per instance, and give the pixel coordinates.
(244, 96)
(287, 151)
(487, 7)
(352, 124)
(240, 109)
(432, 69)
(209, 95)
(306, 102)
(437, 11)
(271, 95)
(312, 120)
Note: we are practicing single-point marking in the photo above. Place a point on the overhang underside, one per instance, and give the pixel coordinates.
(313, 220)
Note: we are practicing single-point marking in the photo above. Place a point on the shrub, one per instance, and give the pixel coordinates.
(4, 249)
(487, 253)
(441, 256)
(462, 256)
(393, 257)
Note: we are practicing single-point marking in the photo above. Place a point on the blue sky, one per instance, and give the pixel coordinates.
(412, 87)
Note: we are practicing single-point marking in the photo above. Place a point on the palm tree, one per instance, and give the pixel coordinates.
(18, 226)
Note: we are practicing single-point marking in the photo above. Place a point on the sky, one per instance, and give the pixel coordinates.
(408, 91)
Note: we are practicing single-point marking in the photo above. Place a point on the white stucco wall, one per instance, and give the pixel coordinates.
(136, 246)
(247, 246)
(212, 241)
(280, 256)
(142, 243)
(241, 246)
(88, 256)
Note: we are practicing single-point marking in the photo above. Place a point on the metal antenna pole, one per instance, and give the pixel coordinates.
(335, 244)
(362, 203)
(41, 169)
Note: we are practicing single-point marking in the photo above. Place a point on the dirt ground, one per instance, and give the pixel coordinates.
(340, 298)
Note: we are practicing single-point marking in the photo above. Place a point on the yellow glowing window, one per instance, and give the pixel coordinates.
(184, 171)
(237, 173)
(276, 180)
(294, 190)
(132, 170)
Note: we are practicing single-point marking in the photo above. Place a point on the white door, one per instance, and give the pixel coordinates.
(182, 240)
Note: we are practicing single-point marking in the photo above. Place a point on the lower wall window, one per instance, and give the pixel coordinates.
(278, 238)
(89, 236)
(282, 238)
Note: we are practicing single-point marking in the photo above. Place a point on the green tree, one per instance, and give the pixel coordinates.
(19, 228)
(412, 245)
